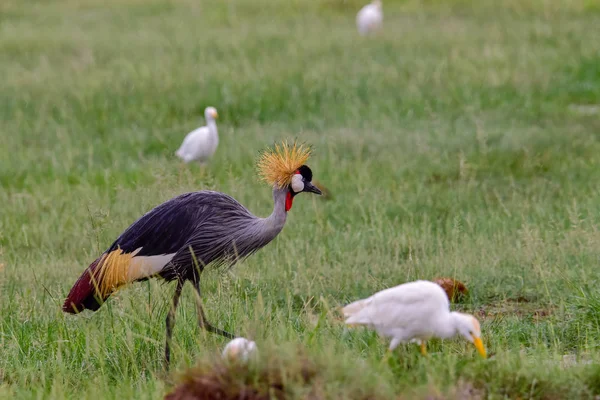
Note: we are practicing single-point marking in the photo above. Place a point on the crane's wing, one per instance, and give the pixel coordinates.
(147, 247)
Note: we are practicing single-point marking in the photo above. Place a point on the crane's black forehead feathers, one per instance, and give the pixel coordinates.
(305, 172)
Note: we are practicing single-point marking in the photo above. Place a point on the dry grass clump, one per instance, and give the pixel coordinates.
(455, 290)
(271, 379)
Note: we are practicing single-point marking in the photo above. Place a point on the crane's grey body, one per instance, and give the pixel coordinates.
(223, 232)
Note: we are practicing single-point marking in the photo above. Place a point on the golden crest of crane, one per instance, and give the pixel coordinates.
(278, 164)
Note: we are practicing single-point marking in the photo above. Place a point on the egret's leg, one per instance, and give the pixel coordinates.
(171, 322)
(203, 167)
(394, 343)
(202, 322)
(390, 351)
(182, 165)
(423, 348)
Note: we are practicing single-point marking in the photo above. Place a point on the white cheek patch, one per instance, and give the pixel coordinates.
(297, 183)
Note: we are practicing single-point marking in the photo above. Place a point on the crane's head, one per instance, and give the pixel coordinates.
(468, 327)
(210, 113)
(301, 182)
(282, 166)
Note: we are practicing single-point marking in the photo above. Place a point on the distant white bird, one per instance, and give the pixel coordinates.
(200, 144)
(240, 349)
(369, 18)
(413, 312)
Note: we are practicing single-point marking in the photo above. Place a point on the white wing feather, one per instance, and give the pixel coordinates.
(368, 19)
(399, 307)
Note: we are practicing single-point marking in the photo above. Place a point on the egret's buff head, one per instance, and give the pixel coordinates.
(468, 327)
(210, 113)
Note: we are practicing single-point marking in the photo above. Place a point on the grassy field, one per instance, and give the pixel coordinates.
(463, 141)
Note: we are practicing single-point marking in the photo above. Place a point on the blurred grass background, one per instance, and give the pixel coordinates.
(462, 140)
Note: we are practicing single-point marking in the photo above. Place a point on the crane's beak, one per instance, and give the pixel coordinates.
(479, 346)
(309, 187)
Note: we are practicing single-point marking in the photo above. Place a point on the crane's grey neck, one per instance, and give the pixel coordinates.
(254, 232)
(274, 223)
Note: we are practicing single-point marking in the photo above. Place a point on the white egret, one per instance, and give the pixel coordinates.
(240, 349)
(414, 312)
(200, 144)
(369, 18)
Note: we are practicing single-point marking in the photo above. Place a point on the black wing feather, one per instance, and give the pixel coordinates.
(206, 221)
(164, 229)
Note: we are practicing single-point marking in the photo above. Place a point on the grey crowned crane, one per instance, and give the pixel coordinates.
(177, 239)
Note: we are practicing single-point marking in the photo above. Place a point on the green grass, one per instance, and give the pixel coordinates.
(462, 141)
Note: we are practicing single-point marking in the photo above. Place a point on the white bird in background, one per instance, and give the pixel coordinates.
(239, 349)
(369, 18)
(200, 144)
(413, 312)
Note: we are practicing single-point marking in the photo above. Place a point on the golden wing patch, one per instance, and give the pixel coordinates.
(114, 271)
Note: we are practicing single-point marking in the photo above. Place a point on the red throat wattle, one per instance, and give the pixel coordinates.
(288, 201)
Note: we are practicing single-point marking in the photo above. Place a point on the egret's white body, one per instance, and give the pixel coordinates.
(369, 18)
(413, 312)
(240, 349)
(200, 144)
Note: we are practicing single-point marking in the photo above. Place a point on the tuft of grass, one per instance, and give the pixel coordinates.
(223, 380)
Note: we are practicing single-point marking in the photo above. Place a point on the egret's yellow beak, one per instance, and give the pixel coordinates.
(215, 115)
(479, 346)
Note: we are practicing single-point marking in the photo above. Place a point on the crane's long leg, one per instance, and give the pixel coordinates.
(202, 322)
(171, 322)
